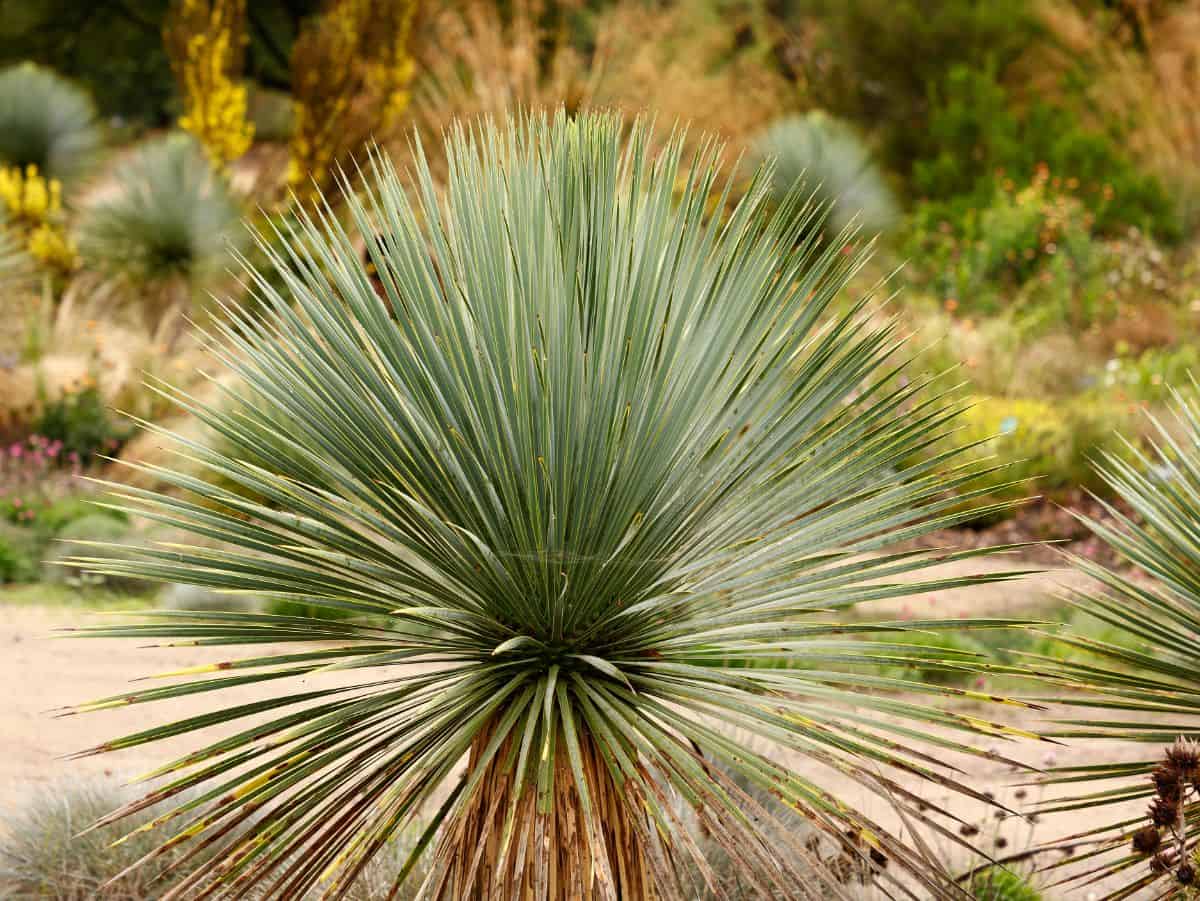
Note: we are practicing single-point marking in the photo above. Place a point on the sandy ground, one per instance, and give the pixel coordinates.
(40, 672)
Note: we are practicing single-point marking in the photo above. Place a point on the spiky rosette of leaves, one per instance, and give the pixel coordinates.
(579, 458)
(166, 225)
(835, 166)
(47, 122)
(1143, 685)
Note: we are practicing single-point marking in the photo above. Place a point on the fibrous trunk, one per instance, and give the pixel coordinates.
(552, 852)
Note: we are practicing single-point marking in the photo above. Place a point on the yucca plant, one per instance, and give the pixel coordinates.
(163, 233)
(836, 167)
(47, 122)
(1145, 688)
(579, 461)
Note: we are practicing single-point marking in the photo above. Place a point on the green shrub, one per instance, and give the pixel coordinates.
(83, 423)
(887, 54)
(20, 553)
(113, 543)
(834, 164)
(47, 122)
(196, 597)
(1030, 250)
(1045, 447)
(57, 515)
(976, 142)
(288, 607)
(1147, 376)
(165, 229)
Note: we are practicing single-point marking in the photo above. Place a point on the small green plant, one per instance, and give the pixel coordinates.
(197, 597)
(834, 165)
(99, 538)
(999, 883)
(57, 514)
(20, 553)
(46, 122)
(81, 425)
(1030, 249)
(164, 234)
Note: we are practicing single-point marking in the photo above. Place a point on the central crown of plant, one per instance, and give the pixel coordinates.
(585, 451)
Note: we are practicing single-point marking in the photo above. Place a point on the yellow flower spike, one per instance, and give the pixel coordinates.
(205, 39)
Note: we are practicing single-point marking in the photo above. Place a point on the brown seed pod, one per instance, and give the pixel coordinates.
(1146, 840)
(1184, 758)
(1160, 863)
(1166, 783)
(967, 830)
(1163, 813)
(878, 857)
(1186, 874)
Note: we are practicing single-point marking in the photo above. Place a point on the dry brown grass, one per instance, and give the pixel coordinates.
(679, 63)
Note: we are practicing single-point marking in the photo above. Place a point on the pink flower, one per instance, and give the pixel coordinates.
(16, 450)
(16, 502)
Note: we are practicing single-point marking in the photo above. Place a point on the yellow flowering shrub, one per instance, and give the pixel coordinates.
(33, 204)
(205, 40)
(351, 70)
(28, 196)
(52, 248)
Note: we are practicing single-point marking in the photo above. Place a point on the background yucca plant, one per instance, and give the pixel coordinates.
(835, 166)
(1147, 687)
(47, 122)
(578, 462)
(162, 233)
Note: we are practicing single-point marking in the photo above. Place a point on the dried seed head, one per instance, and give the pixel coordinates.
(1186, 874)
(1184, 758)
(1001, 842)
(878, 857)
(1020, 794)
(967, 830)
(1163, 813)
(1166, 783)
(1146, 840)
(1160, 863)
(842, 868)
